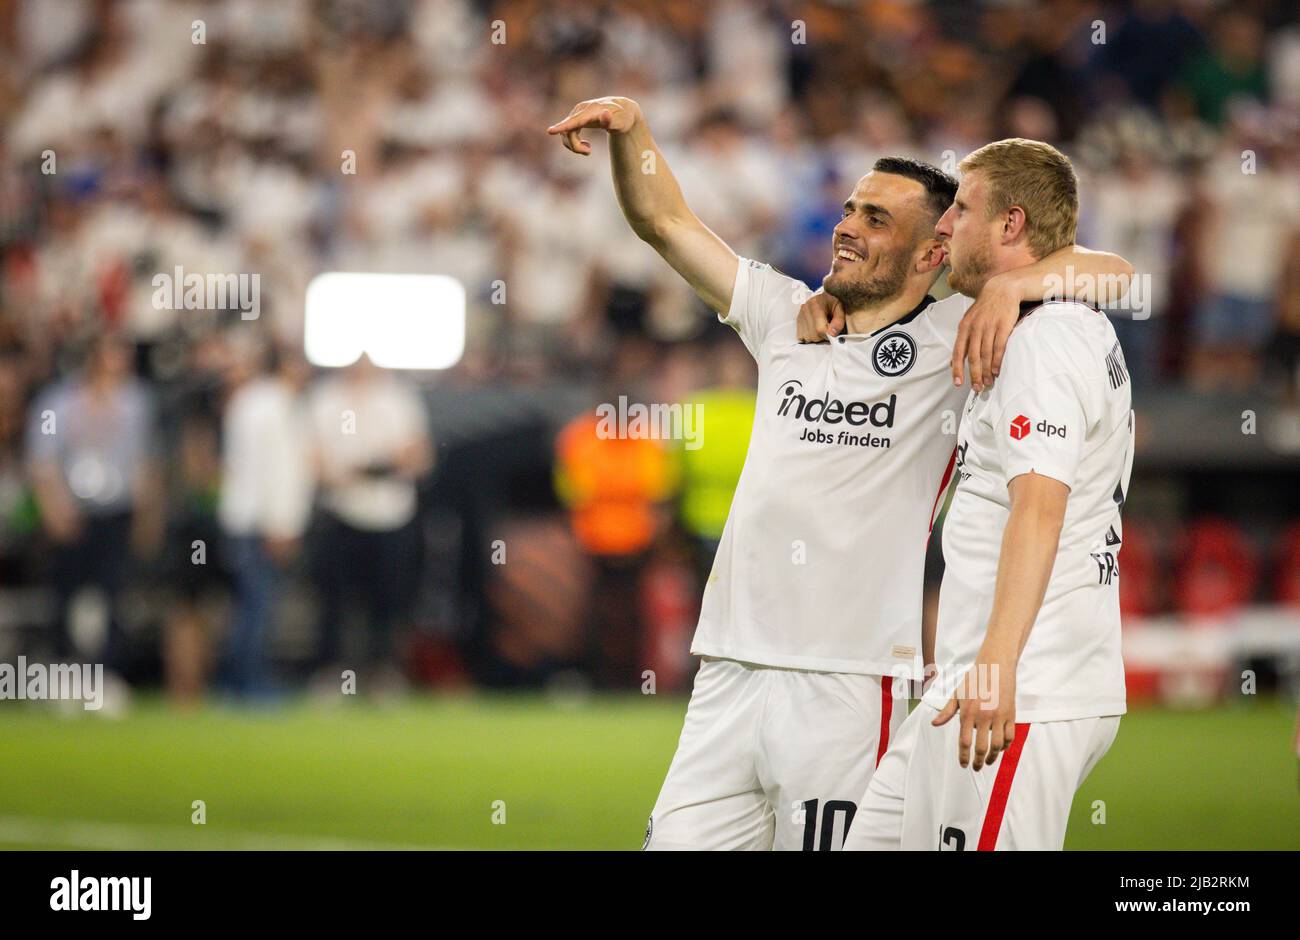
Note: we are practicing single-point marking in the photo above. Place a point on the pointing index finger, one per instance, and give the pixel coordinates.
(577, 118)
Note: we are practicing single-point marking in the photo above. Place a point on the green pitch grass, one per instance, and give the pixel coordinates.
(433, 773)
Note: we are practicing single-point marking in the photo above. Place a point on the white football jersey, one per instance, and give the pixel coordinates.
(1061, 407)
(821, 560)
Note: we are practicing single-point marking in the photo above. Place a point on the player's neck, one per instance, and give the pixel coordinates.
(874, 316)
(1011, 258)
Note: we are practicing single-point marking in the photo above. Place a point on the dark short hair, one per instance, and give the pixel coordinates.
(940, 187)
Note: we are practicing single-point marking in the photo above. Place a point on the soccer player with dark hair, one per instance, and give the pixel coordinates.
(811, 620)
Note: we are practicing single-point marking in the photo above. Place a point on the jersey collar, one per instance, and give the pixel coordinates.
(907, 317)
(1029, 306)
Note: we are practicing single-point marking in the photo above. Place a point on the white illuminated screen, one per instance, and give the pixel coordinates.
(401, 321)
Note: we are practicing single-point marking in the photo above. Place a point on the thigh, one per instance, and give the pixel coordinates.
(941, 801)
(1057, 758)
(823, 735)
(711, 798)
(878, 825)
(1020, 803)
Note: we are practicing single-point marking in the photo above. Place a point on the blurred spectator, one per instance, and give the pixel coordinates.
(91, 449)
(18, 512)
(614, 480)
(370, 445)
(1231, 69)
(711, 469)
(1286, 343)
(1148, 48)
(1253, 213)
(1132, 211)
(264, 504)
(612, 486)
(193, 572)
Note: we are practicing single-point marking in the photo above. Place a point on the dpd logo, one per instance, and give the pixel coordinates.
(1021, 426)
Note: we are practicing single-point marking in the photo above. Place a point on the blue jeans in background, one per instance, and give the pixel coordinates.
(256, 584)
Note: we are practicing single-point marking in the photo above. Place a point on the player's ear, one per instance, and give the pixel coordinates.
(1013, 225)
(931, 256)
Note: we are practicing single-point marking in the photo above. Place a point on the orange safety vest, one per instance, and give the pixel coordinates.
(611, 486)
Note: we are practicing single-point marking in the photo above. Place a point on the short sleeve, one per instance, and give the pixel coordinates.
(1042, 414)
(1041, 430)
(762, 299)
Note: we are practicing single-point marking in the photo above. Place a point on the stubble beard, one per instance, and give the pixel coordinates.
(884, 284)
(969, 277)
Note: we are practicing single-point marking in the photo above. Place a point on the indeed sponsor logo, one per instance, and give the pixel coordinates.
(827, 410)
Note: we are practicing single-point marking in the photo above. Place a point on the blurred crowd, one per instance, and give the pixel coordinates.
(291, 137)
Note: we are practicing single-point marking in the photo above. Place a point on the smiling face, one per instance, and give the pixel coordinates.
(969, 232)
(874, 243)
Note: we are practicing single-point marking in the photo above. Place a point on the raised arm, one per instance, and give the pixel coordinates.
(651, 199)
(1073, 272)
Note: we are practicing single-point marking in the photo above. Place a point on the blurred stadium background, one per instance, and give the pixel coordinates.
(504, 584)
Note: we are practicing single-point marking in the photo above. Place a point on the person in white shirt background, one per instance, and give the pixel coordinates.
(264, 505)
(370, 444)
(1134, 209)
(1253, 197)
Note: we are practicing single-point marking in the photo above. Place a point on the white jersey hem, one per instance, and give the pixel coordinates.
(858, 667)
(1106, 708)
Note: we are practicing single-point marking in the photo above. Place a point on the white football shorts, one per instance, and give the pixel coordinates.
(773, 758)
(921, 798)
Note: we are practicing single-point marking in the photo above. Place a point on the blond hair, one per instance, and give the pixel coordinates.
(1040, 180)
